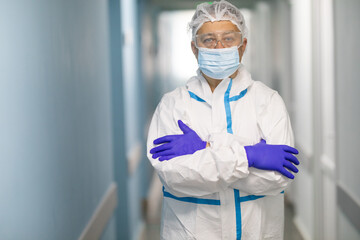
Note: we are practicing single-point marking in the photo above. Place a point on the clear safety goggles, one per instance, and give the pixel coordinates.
(211, 40)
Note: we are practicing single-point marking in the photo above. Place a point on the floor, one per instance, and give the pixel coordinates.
(291, 232)
(152, 231)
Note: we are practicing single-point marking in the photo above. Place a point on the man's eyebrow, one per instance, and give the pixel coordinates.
(207, 34)
(212, 33)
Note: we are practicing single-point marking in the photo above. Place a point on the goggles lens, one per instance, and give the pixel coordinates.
(211, 40)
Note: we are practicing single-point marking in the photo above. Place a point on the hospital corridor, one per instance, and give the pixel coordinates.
(80, 81)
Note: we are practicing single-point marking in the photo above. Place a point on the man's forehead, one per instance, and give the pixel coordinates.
(217, 26)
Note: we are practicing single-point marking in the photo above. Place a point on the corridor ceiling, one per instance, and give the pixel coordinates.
(191, 4)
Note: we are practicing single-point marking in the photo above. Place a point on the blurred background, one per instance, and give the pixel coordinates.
(80, 79)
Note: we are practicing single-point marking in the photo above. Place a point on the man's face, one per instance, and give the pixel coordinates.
(224, 26)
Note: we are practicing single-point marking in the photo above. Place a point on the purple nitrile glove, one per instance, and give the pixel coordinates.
(272, 157)
(177, 145)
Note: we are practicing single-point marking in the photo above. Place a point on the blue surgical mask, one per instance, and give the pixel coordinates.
(218, 63)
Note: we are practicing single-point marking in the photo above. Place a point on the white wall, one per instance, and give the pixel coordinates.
(347, 72)
(326, 86)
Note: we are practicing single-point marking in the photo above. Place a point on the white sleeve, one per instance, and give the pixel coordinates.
(274, 124)
(204, 172)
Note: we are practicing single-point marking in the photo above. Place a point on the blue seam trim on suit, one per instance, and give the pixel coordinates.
(229, 130)
(192, 199)
(196, 97)
(211, 201)
(236, 191)
(237, 97)
(227, 108)
(238, 214)
(238, 199)
(250, 198)
(253, 197)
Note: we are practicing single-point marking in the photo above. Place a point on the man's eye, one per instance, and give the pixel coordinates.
(208, 40)
(229, 39)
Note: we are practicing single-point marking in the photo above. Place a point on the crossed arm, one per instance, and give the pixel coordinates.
(188, 168)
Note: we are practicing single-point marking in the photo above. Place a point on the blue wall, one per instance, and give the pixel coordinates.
(133, 107)
(55, 117)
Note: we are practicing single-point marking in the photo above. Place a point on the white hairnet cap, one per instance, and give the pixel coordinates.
(217, 11)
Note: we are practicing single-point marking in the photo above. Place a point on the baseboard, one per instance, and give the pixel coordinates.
(134, 157)
(302, 229)
(141, 233)
(102, 215)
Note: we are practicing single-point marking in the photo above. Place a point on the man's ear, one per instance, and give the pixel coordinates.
(242, 48)
(194, 49)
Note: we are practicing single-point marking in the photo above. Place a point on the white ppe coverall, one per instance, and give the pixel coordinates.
(213, 194)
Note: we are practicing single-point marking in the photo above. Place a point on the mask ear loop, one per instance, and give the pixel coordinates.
(242, 41)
